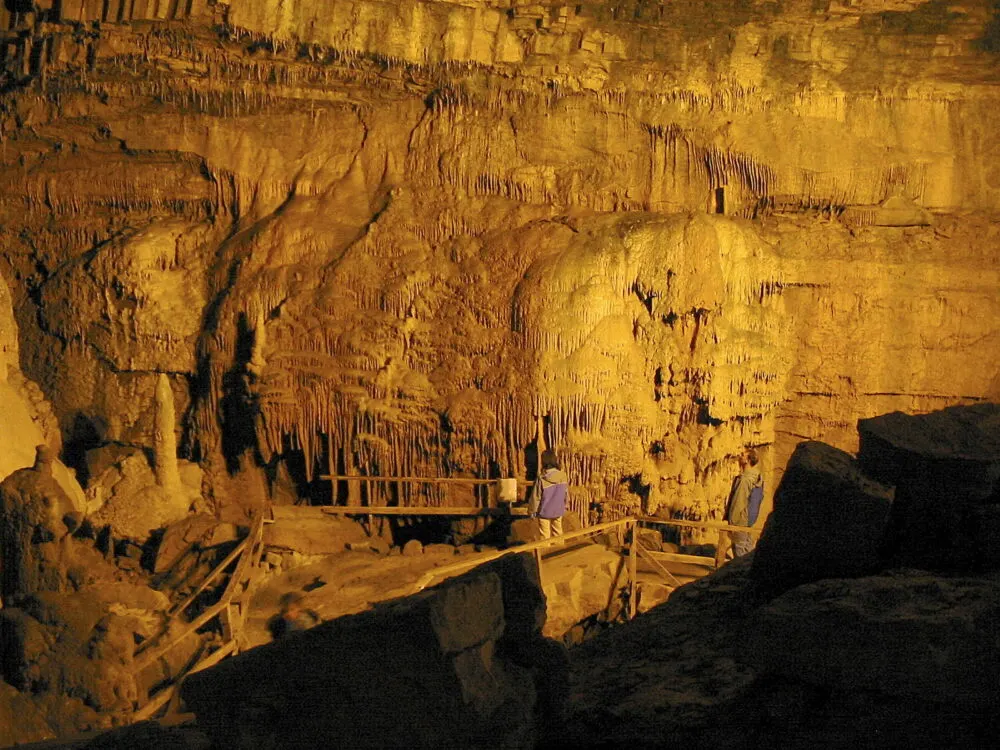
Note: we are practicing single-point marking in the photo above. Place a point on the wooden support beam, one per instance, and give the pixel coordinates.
(211, 577)
(145, 658)
(663, 571)
(246, 562)
(721, 547)
(684, 523)
(161, 698)
(247, 559)
(613, 596)
(677, 557)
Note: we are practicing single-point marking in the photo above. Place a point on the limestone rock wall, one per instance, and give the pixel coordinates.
(382, 238)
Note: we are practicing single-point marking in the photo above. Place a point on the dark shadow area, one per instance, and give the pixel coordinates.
(426, 529)
(84, 435)
(990, 40)
(313, 491)
(720, 200)
(237, 406)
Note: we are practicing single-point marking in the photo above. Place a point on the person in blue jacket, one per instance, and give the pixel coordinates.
(548, 499)
(744, 502)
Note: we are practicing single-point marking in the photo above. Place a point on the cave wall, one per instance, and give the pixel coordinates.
(389, 235)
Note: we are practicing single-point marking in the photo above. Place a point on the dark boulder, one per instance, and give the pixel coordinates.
(424, 671)
(828, 521)
(946, 469)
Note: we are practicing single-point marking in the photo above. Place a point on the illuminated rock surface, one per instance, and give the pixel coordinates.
(388, 237)
(367, 237)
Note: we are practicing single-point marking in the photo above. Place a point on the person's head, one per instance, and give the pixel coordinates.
(752, 458)
(550, 460)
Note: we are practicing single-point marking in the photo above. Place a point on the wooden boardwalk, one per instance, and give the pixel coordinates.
(242, 567)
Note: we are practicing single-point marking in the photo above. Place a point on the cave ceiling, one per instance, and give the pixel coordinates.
(389, 236)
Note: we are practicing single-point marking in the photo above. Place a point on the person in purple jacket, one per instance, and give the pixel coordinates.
(548, 499)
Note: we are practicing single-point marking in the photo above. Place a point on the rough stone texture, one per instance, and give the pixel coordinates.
(524, 530)
(580, 587)
(21, 721)
(181, 536)
(902, 661)
(413, 548)
(150, 735)
(946, 469)
(418, 673)
(905, 636)
(28, 420)
(72, 645)
(310, 531)
(389, 237)
(829, 521)
(8, 333)
(36, 550)
(128, 498)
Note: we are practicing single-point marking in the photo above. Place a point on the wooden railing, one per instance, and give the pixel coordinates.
(231, 610)
(724, 531)
(628, 527)
(356, 481)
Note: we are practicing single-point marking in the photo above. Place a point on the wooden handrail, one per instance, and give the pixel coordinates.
(255, 535)
(416, 480)
(161, 699)
(645, 554)
(147, 657)
(753, 530)
(529, 547)
(174, 611)
(152, 652)
(412, 510)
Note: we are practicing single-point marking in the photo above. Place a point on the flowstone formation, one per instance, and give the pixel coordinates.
(364, 238)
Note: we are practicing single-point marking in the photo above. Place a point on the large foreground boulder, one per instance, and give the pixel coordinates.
(946, 469)
(80, 644)
(828, 521)
(903, 640)
(419, 672)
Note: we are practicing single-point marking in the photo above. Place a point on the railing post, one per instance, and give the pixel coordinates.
(721, 547)
(632, 554)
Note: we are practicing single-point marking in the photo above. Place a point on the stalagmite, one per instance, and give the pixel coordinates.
(164, 438)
